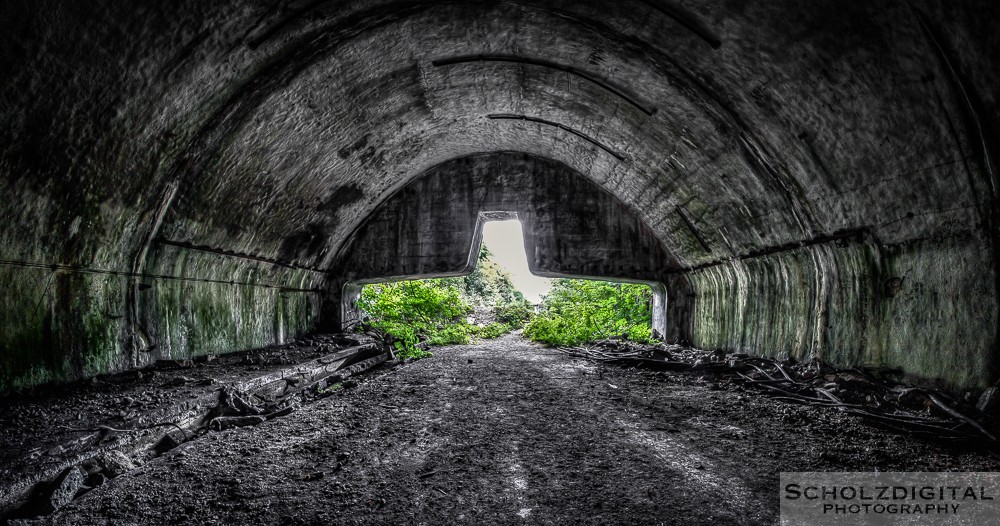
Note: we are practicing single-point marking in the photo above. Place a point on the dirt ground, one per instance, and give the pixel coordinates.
(508, 432)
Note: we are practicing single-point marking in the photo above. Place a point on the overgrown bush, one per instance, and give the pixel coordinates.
(514, 314)
(413, 311)
(579, 311)
(493, 330)
(433, 311)
(454, 334)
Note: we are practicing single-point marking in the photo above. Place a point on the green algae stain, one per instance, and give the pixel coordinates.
(42, 341)
(922, 307)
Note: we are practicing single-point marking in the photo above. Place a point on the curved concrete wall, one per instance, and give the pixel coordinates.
(66, 322)
(927, 308)
(225, 151)
(571, 225)
(432, 227)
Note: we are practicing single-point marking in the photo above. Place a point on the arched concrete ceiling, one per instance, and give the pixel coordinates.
(571, 226)
(179, 175)
(273, 128)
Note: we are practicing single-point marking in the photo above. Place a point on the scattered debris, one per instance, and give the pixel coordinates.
(116, 411)
(178, 381)
(115, 463)
(165, 444)
(920, 411)
(95, 480)
(65, 488)
(524, 424)
(281, 412)
(988, 400)
(174, 364)
(227, 422)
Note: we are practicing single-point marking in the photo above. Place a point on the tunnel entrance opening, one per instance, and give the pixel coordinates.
(484, 301)
(505, 239)
(572, 228)
(498, 294)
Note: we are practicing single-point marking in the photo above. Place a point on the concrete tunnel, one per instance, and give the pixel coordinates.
(816, 180)
(803, 179)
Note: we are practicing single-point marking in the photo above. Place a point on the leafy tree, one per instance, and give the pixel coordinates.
(578, 311)
(488, 284)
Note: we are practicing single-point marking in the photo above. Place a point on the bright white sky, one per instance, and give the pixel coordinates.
(506, 240)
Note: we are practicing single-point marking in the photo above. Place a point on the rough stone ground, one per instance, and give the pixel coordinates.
(508, 432)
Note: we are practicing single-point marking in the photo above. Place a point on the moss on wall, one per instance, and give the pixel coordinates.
(196, 319)
(939, 314)
(101, 310)
(26, 328)
(923, 307)
(61, 325)
(226, 303)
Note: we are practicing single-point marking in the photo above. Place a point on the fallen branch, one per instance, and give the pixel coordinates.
(959, 416)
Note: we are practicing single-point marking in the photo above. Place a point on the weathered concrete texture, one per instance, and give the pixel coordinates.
(432, 227)
(509, 433)
(276, 376)
(271, 130)
(572, 226)
(80, 325)
(225, 303)
(59, 325)
(814, 301)
(921, 307)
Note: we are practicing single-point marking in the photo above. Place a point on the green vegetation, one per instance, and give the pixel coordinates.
(415, 311)
(428, 312)
(578, 311)
(331, 389)
(423, 313)
(489, 285)
(515, 314)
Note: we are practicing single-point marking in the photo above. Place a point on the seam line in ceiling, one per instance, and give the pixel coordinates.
(686, 19)
(465, 59)
(62, 267)
(578, 133)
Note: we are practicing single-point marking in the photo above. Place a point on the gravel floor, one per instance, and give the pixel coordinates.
(508, 432)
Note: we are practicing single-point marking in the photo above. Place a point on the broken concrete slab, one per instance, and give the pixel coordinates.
(989, 400)
(223, 423)
(65, 488)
